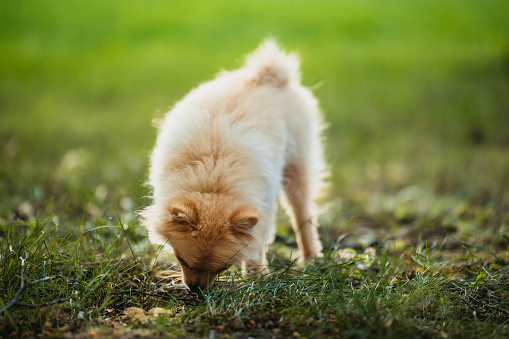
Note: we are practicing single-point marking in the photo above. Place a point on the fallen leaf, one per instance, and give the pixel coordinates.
(388, 322)
(135, 313)
(156, 311)
(347, 254)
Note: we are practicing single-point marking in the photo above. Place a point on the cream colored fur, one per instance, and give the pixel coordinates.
(223, 155)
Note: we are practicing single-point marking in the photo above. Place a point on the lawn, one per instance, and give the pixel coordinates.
(416, 235)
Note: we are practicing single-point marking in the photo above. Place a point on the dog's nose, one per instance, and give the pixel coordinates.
(195, 288)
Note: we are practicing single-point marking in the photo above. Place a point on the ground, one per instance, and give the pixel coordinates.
(416, 231)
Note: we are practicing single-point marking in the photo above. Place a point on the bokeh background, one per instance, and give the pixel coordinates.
(416, 95)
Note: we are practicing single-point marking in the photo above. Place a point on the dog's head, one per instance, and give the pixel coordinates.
(209, 233)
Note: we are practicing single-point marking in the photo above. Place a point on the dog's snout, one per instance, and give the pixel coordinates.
(196, 280)
(195, 288)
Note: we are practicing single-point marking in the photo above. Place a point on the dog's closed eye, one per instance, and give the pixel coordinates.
(182, 262)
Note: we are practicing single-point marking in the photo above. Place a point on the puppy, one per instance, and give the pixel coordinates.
(222, 156)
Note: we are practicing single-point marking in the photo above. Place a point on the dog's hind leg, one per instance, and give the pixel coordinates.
(299, 205)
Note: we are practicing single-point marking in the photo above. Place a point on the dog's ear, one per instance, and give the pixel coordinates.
(243, 220)
(182, 213)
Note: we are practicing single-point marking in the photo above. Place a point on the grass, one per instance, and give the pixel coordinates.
(416, 235)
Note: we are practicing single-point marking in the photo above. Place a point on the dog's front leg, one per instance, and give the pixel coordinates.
(255, 267)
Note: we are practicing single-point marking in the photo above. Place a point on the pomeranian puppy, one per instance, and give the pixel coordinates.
(222, 156)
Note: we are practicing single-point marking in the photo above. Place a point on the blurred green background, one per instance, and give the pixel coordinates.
(416, 95)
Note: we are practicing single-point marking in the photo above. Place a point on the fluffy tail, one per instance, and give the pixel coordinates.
(271, 66)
